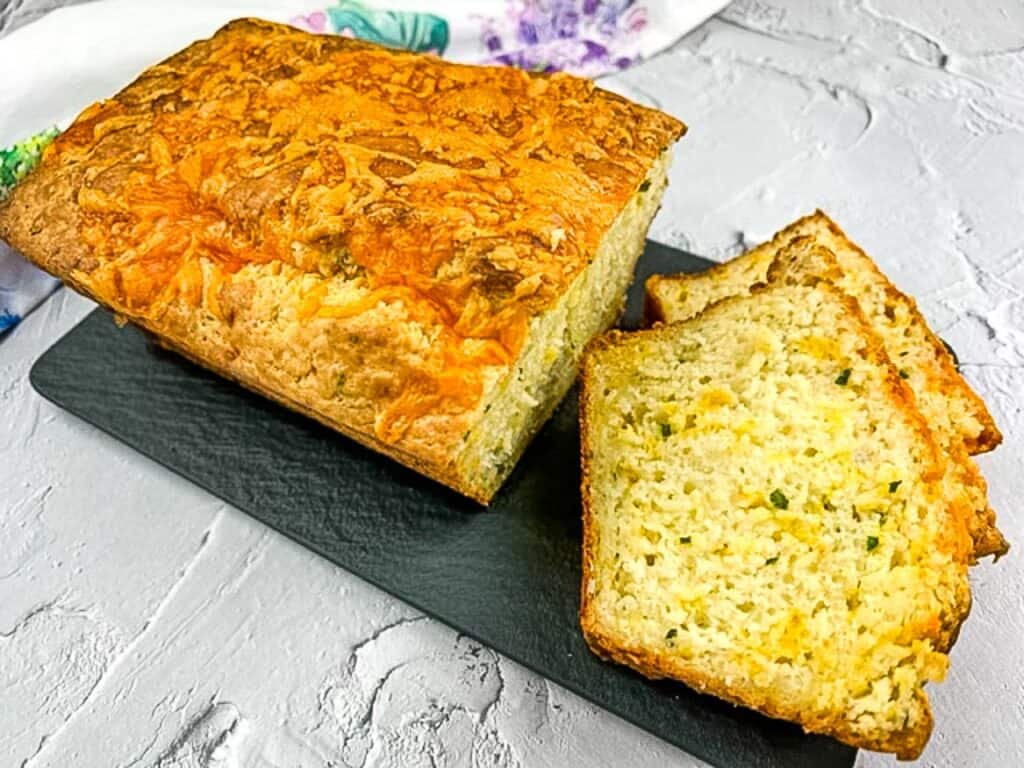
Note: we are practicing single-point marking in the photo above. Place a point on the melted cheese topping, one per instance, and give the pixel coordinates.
(470, 196)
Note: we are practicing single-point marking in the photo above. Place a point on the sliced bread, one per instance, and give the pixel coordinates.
(764, 518)
(948, 401)
(955, 413)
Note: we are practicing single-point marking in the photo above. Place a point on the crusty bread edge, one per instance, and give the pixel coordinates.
(53, 257)
(990, 436)
(654, 306)
(981, 523)
(906, 744)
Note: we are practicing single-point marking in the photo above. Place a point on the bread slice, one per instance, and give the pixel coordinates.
(950, 404)
(764, 517)
(412, 251)
(954, 412)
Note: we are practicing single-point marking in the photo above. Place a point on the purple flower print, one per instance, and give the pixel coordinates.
(491, 40)
(607, 15)
(528, 32)
(565, 19)
(588, 37)
(594, 52)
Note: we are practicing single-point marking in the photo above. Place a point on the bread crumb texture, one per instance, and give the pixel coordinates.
(764, 517)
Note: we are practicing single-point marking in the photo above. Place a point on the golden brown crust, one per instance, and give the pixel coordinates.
(968, 490)
(906, 744)
(954, 385)
(654, 310)
(433, 469)
(430, 208)
(803, 261)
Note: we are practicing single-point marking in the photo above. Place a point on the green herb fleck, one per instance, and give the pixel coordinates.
(650, 559)
(904, 353)
(904, 374)
(779, 500)
(894, 485)
(843, 377)
(684, 539)
(666, 429)
(671, 634)
(645, 185)
(872, 542)
(772, 560)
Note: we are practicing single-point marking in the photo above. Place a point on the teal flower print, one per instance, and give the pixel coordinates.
(398, 29)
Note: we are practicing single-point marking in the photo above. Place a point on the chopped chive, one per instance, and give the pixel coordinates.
(894, 485)
(772, 560)
(904, 353)
(778, 499)
(904, 374)
(872, 542)
(843, 377)
(666, 429)
(671, 633)
(645, 185)
(684, 539)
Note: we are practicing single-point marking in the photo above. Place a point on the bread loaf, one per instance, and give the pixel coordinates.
(411, 251)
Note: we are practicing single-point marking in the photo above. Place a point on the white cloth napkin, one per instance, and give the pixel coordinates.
(585, 37)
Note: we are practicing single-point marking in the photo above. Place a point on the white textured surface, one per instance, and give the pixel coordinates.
(144, 623)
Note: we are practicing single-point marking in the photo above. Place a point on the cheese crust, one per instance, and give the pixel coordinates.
(363, 234)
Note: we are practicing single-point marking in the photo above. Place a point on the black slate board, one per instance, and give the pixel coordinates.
(507, 575)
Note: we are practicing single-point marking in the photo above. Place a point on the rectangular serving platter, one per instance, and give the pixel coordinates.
(507, 575)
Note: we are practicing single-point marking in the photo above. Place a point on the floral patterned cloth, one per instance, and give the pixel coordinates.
(585, 37)
(22, 286)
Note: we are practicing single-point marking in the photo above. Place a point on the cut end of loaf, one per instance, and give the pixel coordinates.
(519, 404)
(762, 518)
